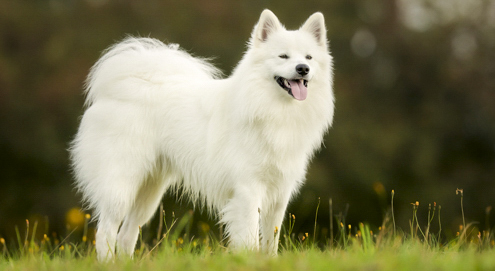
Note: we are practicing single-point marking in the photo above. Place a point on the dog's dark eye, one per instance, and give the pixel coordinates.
(308, 57)
(284, 56)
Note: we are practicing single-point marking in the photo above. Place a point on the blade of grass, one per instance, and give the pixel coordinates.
(316, 220)
(392, 207)
(331, 222)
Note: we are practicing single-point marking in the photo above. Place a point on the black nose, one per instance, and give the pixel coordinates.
(302, 69)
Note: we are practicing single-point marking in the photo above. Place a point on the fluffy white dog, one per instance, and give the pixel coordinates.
(158, 119)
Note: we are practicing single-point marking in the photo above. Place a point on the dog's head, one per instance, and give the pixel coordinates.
(292, 58)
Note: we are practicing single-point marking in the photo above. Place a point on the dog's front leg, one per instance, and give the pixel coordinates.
(271, 223)
(241, 216)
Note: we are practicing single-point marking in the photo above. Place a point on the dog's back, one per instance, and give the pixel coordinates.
(125, 67)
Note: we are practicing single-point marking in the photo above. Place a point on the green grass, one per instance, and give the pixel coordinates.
(352, 248)
(406, 256)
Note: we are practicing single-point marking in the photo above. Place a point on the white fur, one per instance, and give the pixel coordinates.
(158, 118)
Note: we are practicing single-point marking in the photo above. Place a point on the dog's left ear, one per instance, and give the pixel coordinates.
(316, 26)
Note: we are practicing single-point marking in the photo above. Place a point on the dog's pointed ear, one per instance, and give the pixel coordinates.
(267, 24)
(315, 25)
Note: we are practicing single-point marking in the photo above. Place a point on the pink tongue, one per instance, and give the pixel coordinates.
(299, 91)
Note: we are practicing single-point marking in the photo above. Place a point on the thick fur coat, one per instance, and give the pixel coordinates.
(159, 119)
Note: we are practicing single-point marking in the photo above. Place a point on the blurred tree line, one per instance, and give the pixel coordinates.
(414, 86)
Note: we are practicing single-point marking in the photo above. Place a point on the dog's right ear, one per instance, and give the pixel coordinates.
(267, 24)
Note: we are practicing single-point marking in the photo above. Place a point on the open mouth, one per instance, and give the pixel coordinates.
(297, 88)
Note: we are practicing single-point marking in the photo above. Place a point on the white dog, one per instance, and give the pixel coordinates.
(158, 118)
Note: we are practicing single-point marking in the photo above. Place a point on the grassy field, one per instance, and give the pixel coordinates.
(403, 256)
(352, 248)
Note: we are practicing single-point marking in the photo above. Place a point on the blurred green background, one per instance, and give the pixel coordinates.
(414, 87)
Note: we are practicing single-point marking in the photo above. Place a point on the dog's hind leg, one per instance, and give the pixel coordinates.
(145, 205)
(111, 211)
(105, 237)
(114, 198)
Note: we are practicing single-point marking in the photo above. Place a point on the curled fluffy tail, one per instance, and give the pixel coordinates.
(126, 66)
